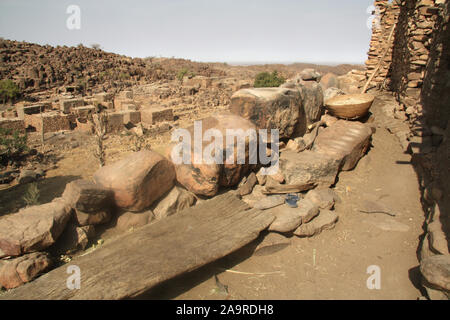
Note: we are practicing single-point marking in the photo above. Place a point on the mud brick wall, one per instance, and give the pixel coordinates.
(53, 121)
(114, 123)
(14, 124)
(156, 115)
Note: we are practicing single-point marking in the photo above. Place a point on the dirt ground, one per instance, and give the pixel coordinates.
(332, 265)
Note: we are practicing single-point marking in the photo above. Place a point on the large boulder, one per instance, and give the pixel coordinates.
(205, 179)
(329, 80)
(15, 272)
(346, 141)
(290, 108)
(308, 167)
(312, 105)
(269, 108)
(33, 228)
(309, 74)
(138, 180)
(87, 196)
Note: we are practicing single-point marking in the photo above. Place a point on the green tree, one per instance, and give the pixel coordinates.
(182, 73)
(8, 90)
(266, 79)
(12, 144)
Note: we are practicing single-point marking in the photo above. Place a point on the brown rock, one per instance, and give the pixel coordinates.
(74, 238)
(436, 271)
(261, 201)
(345, 141)
(128, 220)
(309, 167)
(34, 228)
(205, 179)
(437, 238)
(286, 219)
(269, 108)
(326, 220)
(329, 80)
(138, 180)
(15, 272)
(310, 74)
(307, 210)
(323, 198)
(328, 120)
(87, 196)
(262, 178)
(92, 218)
(176, 200)
(247, 187)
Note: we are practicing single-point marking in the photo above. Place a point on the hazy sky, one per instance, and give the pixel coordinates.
(330, 31)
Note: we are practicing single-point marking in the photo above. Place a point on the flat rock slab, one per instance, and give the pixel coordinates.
(344, 140)
(33, 228)
(136, 262)
(309, 167)
(324, 221)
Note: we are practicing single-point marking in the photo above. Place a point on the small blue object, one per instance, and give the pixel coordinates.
(291, 200)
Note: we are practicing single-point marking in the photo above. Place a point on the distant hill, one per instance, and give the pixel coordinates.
(36, 68)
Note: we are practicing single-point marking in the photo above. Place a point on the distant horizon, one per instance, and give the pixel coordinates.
(232, 63)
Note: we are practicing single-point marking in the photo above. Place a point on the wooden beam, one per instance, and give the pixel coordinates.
(136, 262)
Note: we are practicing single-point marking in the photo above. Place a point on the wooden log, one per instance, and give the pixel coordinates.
(136, 262)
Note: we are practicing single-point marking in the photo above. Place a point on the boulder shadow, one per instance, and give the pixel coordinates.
(11, 199)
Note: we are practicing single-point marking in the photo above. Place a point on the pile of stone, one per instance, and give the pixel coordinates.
(132, 192)
(337, 147)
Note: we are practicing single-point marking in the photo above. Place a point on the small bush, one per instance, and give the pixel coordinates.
(12, 144)
(8, 90)
(31, 196)
(185, 72)
(266, 79)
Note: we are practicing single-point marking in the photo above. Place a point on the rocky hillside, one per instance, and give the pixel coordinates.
(36, 68)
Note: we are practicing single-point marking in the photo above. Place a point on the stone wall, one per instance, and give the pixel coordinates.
(417, 71)
(387, 16)
(402, 69)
